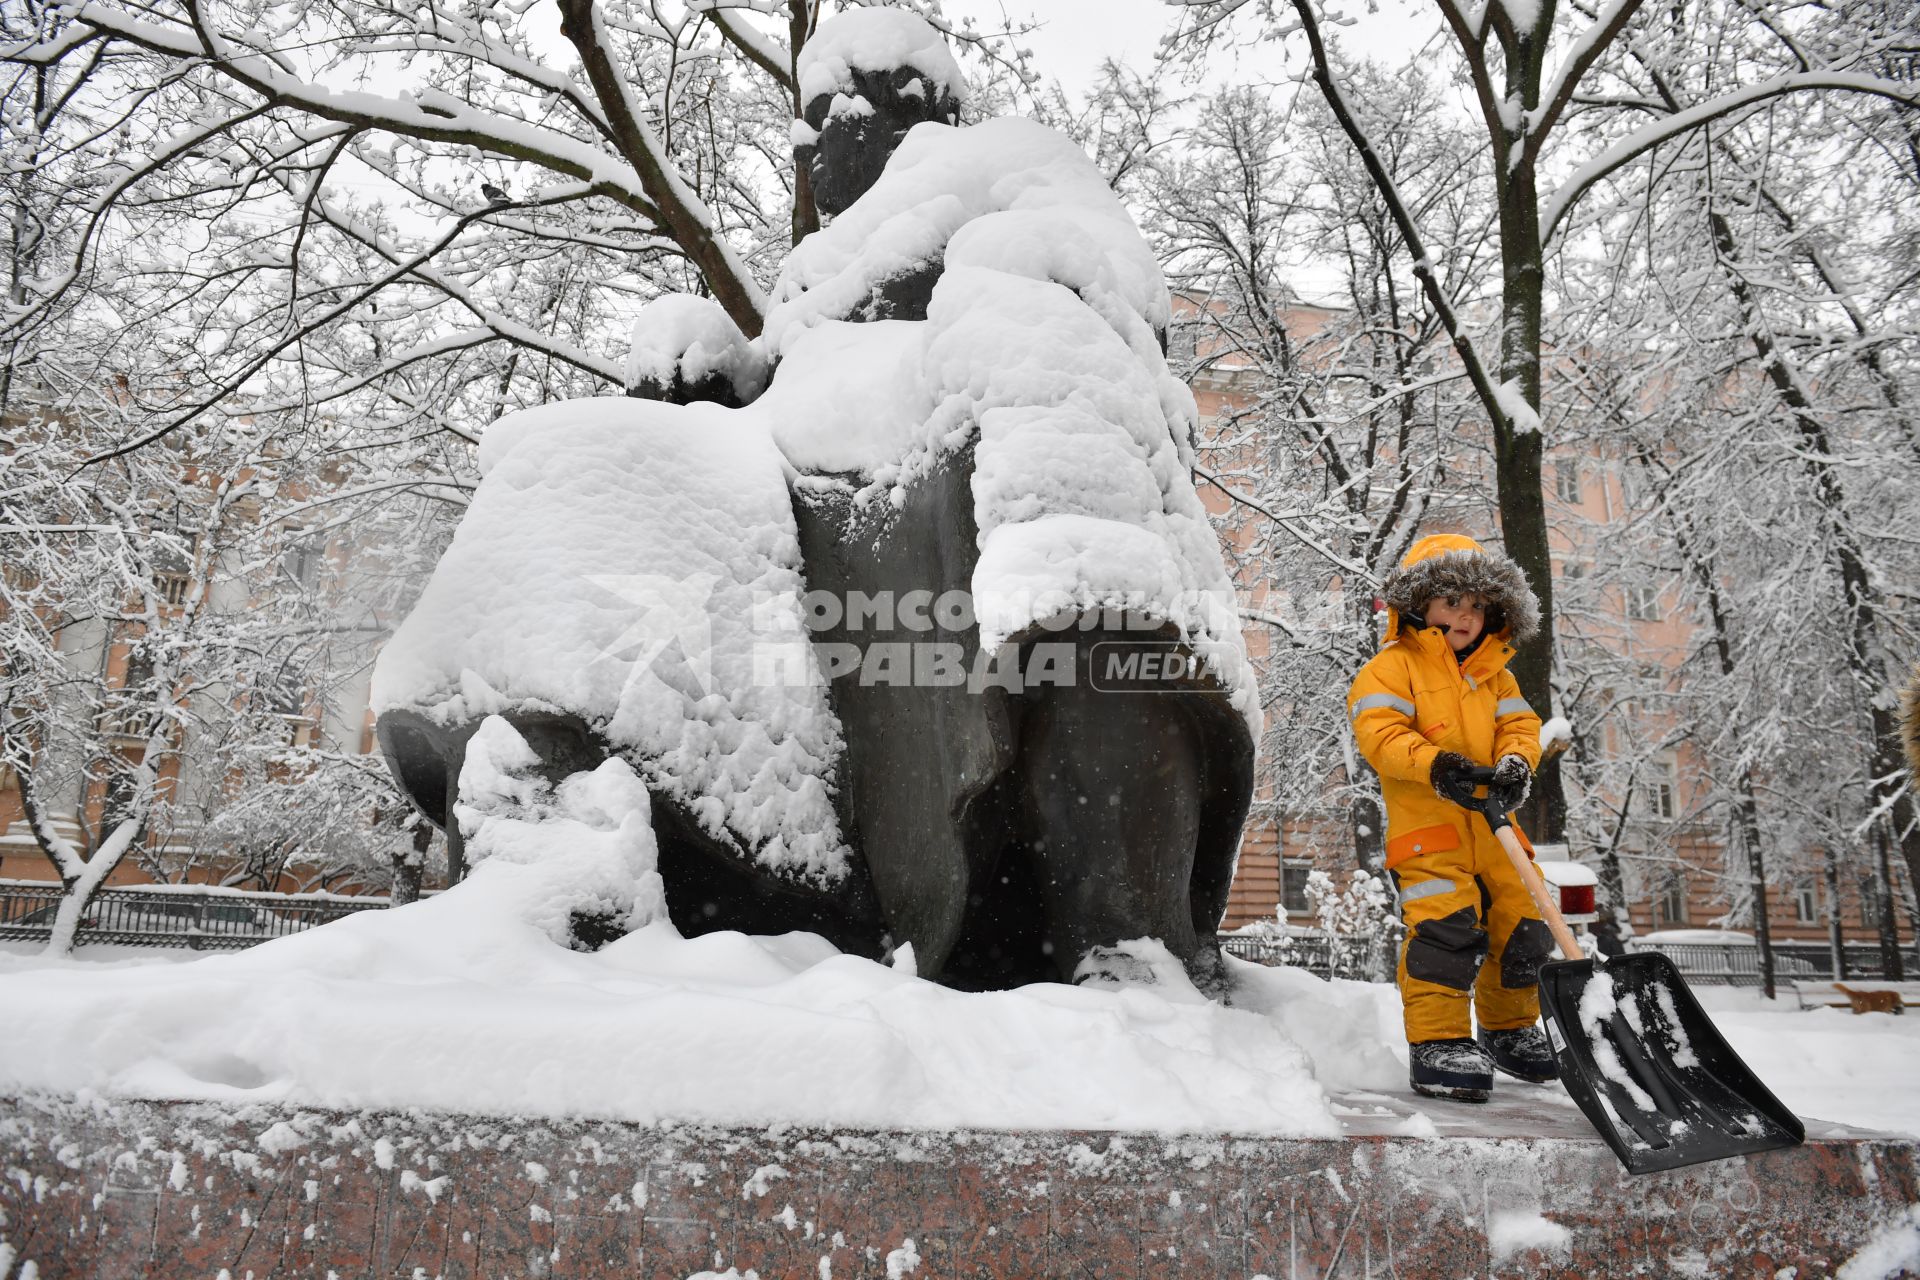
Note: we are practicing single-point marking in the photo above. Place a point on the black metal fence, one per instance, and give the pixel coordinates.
(1731, 963)
(1738, 963)
(224, 921)
(231, 920)
(1368, 959)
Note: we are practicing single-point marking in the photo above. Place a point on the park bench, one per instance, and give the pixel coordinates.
(1856, 995)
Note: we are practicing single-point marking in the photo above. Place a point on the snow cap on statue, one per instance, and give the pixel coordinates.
(865, 42)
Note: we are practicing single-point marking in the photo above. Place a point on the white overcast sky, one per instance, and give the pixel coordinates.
(1078, 34)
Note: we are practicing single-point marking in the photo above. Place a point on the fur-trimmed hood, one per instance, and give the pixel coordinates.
(1450, 564)
(1910, 728)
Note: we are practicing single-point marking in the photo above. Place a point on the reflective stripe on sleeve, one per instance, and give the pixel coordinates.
(1425, 889)
(1372, 700)
(1512, 707)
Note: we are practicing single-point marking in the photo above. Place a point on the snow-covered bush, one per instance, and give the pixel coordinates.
(1360, 922)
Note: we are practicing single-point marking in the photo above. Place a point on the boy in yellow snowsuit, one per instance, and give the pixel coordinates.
(1433, 704)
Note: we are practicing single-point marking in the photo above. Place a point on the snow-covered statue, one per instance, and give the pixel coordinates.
(927, 642)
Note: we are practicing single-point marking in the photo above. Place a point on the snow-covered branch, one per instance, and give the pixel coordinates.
(1649, 136)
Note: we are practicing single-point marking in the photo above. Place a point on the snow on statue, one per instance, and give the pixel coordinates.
(906, 612)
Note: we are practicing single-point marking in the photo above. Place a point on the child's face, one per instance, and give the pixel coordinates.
(1463, 618)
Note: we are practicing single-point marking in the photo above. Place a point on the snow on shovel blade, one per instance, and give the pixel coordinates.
(1651, 1071)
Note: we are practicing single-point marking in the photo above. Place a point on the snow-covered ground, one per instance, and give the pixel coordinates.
(472, 1002)
(442, 1008)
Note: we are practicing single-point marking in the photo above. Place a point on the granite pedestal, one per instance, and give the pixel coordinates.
(119, 1191)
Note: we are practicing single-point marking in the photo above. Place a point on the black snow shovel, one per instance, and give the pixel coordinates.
(1639, 1055)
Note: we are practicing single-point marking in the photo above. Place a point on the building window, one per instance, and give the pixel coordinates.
(284, 696)
(1643, 602)
(1573, 570)
(1671, 909)
(172, 588)
(117, 806)
(302, 557)
(1806, 902)
(1566, 480)
(173, 566)
(131, 706)
(1661, 801)
(1293, 888)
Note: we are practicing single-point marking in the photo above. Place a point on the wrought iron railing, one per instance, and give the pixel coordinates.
(226, 919)
(1369, 959)
(173, 915)
(1738, 963)
(1731, 963)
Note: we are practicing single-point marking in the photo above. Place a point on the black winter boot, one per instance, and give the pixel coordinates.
(1522, 1053)
(1457, 1069)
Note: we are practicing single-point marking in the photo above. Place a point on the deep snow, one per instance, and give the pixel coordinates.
(473, 1002)
(422, 1006)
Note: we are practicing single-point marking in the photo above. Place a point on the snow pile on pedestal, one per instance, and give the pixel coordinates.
(872, 39)
(637, 564)
(1894, 1252)
(470, 1002)
(1519, 1230)
(465, 1003)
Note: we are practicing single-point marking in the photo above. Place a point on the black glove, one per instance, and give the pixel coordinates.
(1453, 779)
(1512, 779)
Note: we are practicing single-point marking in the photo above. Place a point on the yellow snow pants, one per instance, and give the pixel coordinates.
(1474, 943)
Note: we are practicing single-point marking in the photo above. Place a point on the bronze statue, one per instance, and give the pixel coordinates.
(1014, 810)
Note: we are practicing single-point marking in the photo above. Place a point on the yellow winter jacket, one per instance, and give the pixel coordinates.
(1415, 700)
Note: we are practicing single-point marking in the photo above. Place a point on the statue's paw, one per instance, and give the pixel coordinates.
(1145, 963)
(1114, 967)
(1207, 970)
(687, 350)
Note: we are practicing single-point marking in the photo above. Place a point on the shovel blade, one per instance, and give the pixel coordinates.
(1651, 1071)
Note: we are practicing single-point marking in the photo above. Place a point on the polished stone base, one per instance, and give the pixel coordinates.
(125, 1190)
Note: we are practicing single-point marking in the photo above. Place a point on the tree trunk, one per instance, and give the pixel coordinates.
(1369, 834)
(1613, 881)
(1523, 521)
(1891, 967)
(1836, 939)
(1746, 808)
(1886, 795)
(1749, 828)
(1520, 447)
(1366, 818)
(806, 218)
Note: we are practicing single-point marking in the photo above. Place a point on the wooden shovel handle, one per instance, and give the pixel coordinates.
(1537, 886)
